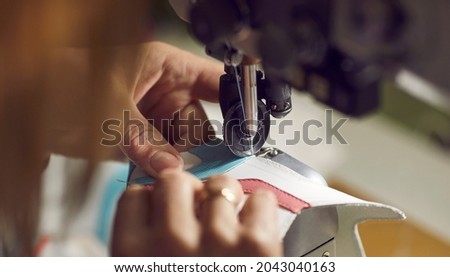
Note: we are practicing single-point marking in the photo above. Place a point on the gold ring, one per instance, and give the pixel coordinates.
(226, 193)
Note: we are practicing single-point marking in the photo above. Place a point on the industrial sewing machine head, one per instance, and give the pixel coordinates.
(338, 51)
(291, 41)
(247, 96)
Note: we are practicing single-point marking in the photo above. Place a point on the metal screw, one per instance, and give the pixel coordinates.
(326, 254)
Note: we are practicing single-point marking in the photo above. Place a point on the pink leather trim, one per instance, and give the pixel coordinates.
(285, 200)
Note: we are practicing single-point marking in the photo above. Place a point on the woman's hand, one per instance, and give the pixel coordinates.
(165, 98)
(142, 98)
(183, 216)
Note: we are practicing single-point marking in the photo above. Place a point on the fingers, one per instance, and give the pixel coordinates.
(169, 81)
(207, 84)
(133, 215)
(145, 146)
(201, 74)
(260, 234)
(220, 225)
(255, 234)
(163, 222)
(191, 128)
(175, 220)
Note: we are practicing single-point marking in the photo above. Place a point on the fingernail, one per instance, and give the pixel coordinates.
(162, 160)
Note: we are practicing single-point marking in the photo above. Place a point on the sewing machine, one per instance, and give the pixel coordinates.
(338, 51)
